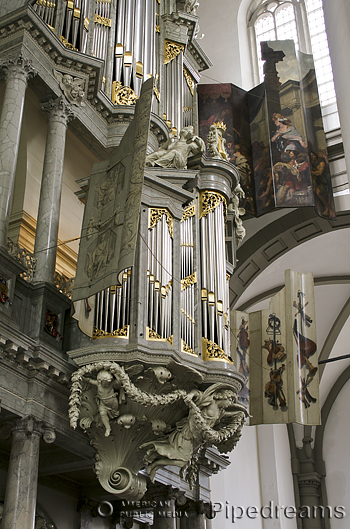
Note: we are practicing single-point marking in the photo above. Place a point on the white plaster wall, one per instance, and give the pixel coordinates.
(226, 42)
(223, 52)
(275, 476)
(239, 484)
(336, 456)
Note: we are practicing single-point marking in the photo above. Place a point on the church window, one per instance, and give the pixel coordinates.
(303, 22)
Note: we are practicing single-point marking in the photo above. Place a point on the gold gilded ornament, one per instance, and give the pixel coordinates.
(123, 95)
(189, 81)
(171, 50)
(155, 214)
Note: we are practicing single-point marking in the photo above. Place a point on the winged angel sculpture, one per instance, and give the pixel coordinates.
(175, 421)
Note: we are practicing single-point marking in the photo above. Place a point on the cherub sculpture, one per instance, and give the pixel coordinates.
(108, 400)
(206, 409)
(72, 87)
(175, 153)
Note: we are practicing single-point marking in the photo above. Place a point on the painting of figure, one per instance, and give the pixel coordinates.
(228, 104)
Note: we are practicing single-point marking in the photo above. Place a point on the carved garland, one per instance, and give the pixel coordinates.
(155, 214)
(210, 200)
(130, 389)
(171, 50)
(218, 437)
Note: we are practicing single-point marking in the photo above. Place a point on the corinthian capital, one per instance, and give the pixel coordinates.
(58, 110)
(17, 67)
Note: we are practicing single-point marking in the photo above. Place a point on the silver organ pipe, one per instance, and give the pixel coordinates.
(128, 41)
(188, 279)
(174, 92)
(112, 308)
(188, 85)
(138, 44)
(135, 42)
(178, 122)
(148, 37)
(215, 294)
(119, 38)
(159, 273)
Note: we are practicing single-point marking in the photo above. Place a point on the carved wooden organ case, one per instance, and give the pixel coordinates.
(161, 337)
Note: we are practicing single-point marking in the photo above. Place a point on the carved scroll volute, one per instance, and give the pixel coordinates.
(124, 410)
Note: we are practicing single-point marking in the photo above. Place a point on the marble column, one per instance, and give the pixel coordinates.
(45, 249)
(22, 476)
(17, 71)
(195, 516)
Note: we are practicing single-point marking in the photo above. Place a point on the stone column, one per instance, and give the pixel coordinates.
(22, 476)
(17, 72)
(45, 249)
(164, 517)
(194, 516)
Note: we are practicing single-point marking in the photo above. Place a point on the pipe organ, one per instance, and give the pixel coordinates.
(202, 286)
(136, 40)
(112, 309)
(159, 274)
(188, 280)
(214, 287)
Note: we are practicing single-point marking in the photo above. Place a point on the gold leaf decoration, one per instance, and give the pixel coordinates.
(189, 280)
(210, 200)
(123, 95)
(172, 50)
(118, 333)
(189, 80)
(190, 211)
(211, 351)
(155, 214)
(185, 348)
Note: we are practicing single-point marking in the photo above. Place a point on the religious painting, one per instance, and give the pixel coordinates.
(226, 105)
(291, 168)
(317, 146)
(261, 156)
